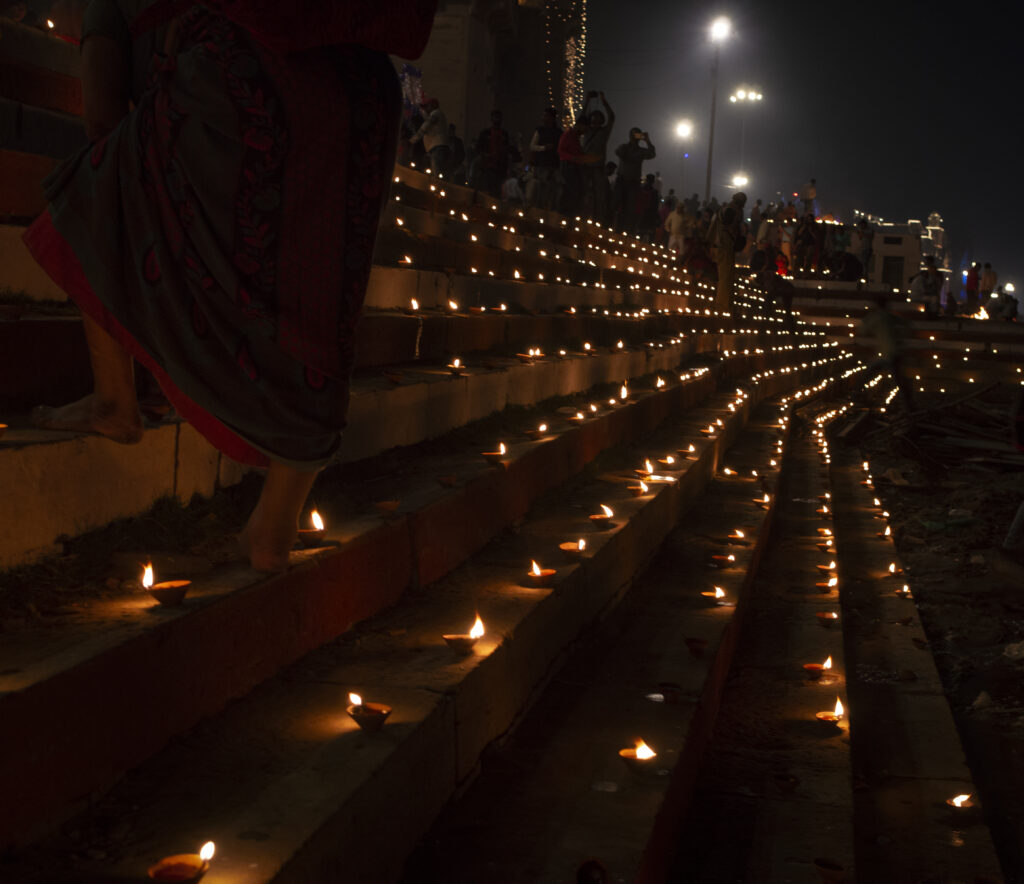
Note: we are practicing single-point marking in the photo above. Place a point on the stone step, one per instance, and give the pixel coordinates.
(46, 469)
(556, 793)
(170, 651)
(298, 793)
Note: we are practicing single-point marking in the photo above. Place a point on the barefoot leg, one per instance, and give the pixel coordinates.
(273, 525)
(111, 409)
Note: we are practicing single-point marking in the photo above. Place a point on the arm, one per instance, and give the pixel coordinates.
(535, 144)
(104, 85)
(649, 153)
(608, 112)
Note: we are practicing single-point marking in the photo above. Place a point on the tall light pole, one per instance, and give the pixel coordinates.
(721, 27)
(744, 95)
(684, 129)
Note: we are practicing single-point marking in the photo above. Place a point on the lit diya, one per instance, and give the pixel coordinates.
(456, 368)
(738, 537)
(645, 471)
(573, 549)
(414, 307)
(577, 418)
(690, 452)
(721, 561)
(638, 759)
(463, 644)
(638, 490)
(169, 593)
(668, 462)
(886, 533)
(827, 619)
(904, 591)
(369, 716)
(540, 576)
(816, 670)
(827, 569)
(714, 596)
(960, 802)
(831, 719)
(826, 545)
(892, 568)
(538, 433)
(827, 586)
(495, 457)
(763, 502)
(623, 392)
(603, 519)
(183, 866)
(709, 431)
(310, 537)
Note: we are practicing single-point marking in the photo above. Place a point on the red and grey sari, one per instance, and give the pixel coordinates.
(223, 233)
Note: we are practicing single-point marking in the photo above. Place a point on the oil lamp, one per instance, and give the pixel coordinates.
(184, 866)
(540, 576)
(169, 593)
(603, 519)
(463, 644)
(495, 457)
(369, 716)
(310, 537)
(573, 549)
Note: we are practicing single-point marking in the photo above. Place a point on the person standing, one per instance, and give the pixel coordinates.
(986, 284)
(678, 225)
(542, 189)
(570, 169)
(595, 147)
(630, 173)
(889, 331)
(865, 239)
(809, 197)
(434, 135)
(725, 238)
(494, 150)
(971, 282)
(229, 143)
(458, 156)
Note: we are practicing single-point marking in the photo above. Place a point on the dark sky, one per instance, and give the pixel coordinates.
(897, 108)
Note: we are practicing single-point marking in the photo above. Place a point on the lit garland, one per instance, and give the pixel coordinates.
(565, 37)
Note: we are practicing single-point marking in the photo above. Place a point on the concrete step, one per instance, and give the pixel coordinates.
(434, 530)
(906, 749)
(45, 469)
(303, 796)
(556, 793)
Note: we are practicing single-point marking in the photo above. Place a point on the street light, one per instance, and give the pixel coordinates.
(720, 29)
(740, 180)
(744, 95)
(684, 129)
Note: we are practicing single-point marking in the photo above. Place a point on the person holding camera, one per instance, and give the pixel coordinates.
(627, 185)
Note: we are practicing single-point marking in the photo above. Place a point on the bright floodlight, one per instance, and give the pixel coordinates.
(733, 99)
(741, 94)
(721, 27)
(739, 180)
(684, 128)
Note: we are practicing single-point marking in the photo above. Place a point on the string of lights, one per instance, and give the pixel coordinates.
(565, 37)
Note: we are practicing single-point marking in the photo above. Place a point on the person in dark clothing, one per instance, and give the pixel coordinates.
(542, 189)
(458, 156)
(627, 185)
(495, 150)
(889, 330)
(570, 156)
(645, 209)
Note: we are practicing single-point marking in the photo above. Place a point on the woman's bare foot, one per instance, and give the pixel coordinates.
(266, 549)
(90, 415)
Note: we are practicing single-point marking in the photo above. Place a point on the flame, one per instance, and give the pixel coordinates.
(827, 531)
(832, 565)
(827, 664)
(582, 544)
(318, 523)
(414, 304)
(730, 558)
(711, 428)
(206, 851)
(661, 382)
(543, 428)
(691, 449)
(623, 392)
(501, 448)
(50, 24)
(619, 345)
(888, 531)
(739, 533)
(878, 502)
(839, 708)
(579, 415)
(865, 465)
(833, 581)
(719, 592)
(454, 305)
(959, 800)
(643, 751)
(727, 471)
(478, 626)
(892, 567)
(593, 407)
(355, 699)
(607, 511)
(766, 497)
(586, 346)
(456, 362)
(643, 486)
(669, 459)
(147, 576)
(648, 466)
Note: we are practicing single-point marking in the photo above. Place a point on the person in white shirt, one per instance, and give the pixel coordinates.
(434, 135)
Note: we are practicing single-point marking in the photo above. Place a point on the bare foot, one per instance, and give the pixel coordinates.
(267, 551)
(89, 415)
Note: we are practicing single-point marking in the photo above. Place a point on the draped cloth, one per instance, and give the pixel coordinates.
(223, 232)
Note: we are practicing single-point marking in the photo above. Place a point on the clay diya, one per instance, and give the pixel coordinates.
(495, 457)
(603, 520)
(640, 758)
(540, 576)
(310, 537)
(183, 866)
(369, 716)
(170, 593)
(573, 549)
(831, 719)
(463, 644)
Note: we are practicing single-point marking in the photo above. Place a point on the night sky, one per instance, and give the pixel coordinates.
(898, 109)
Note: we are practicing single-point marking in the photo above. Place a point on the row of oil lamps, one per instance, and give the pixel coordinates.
(371, 716)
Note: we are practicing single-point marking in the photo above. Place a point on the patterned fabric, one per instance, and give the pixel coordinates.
(224, 231)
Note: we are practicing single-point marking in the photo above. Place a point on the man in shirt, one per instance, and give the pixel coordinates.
(570, 158)
(494, 149)
(723, 237)
(987, 283)
(594, 142)
(434, 135)
(627, 185)
(542, 188)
